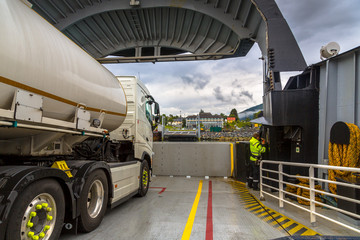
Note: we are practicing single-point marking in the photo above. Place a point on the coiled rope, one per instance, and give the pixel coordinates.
(304, 192)
(344, 155)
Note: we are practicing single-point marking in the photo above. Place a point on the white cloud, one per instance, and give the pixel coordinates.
(316, 23)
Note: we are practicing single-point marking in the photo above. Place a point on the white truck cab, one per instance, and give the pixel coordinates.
(142, 114)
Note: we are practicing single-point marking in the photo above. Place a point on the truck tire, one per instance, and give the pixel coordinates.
(93, 201)
(144, 179)
(38, 212)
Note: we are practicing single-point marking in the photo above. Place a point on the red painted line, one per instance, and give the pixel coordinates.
(209, 218)
(162, 189)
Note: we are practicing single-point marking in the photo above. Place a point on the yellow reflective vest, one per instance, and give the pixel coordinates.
(256, 149)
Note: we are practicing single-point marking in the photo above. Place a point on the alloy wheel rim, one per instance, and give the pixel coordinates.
(145, 178)
(39, 218)
(95, 198)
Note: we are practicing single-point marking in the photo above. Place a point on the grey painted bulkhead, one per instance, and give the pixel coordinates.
(192, 159)
(339, 96)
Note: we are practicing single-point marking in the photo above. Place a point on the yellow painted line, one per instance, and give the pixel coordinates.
(232, 158)
(268, 218)
(309, 232)
(295, 229)
(190, 222)
(252, 205)
(274, 216)
(274, 223)
(287, 224)
(263, 214)
(258, 212)
(247, 198)
(248, 201)
(242, 193)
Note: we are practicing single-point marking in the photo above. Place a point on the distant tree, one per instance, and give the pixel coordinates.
(223, 116)
(233, 113)
(165, 119)
(258, 114)
(201, 111)
(171, 118)
(241, 124)
(184, 122)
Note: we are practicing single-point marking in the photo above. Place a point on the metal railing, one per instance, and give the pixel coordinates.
(312, 168)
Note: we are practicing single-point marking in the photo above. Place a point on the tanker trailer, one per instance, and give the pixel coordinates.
(59, 164)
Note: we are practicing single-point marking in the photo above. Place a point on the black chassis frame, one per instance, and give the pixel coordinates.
(15, 179)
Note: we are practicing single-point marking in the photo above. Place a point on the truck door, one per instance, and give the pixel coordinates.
(144, 139)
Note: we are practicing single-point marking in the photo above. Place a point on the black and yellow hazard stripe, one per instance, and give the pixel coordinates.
(268, 215)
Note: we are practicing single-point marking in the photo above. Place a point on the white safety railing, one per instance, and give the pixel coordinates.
(312, 168)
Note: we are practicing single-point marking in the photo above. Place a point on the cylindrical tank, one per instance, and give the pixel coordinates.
(36, 57)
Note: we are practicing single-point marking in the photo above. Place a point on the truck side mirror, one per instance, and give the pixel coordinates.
(157, 119)
(156, 109)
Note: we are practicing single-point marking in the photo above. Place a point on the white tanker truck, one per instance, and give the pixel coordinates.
(74, 139)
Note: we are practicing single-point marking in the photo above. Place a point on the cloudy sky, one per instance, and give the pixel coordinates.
(219, 86)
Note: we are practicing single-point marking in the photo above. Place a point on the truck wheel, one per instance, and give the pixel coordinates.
(93, 201)
(38, 212)
(144, 179)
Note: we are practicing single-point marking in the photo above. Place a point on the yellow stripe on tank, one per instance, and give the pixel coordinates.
(52, 96)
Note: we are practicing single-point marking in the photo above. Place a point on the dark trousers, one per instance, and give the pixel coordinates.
(253, 180)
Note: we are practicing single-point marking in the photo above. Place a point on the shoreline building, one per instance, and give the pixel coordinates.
(177, 122)
(207, 119)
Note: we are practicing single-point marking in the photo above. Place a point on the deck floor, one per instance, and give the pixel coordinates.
(167, 208)
(182, 208)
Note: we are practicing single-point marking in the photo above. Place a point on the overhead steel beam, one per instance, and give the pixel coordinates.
(45, 11)
(176, 26)
(214, 41)
(164, 58)
(281, 45)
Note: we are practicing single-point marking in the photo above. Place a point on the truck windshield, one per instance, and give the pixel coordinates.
(148, 112)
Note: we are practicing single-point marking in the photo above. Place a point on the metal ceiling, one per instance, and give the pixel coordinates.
(114, 31)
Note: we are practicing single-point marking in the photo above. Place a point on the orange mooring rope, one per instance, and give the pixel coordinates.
(304, 192)
(345, 156)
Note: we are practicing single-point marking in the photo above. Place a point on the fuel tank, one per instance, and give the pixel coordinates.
(36, 57)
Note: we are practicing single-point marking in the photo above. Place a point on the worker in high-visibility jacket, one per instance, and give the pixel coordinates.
(256, 149)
